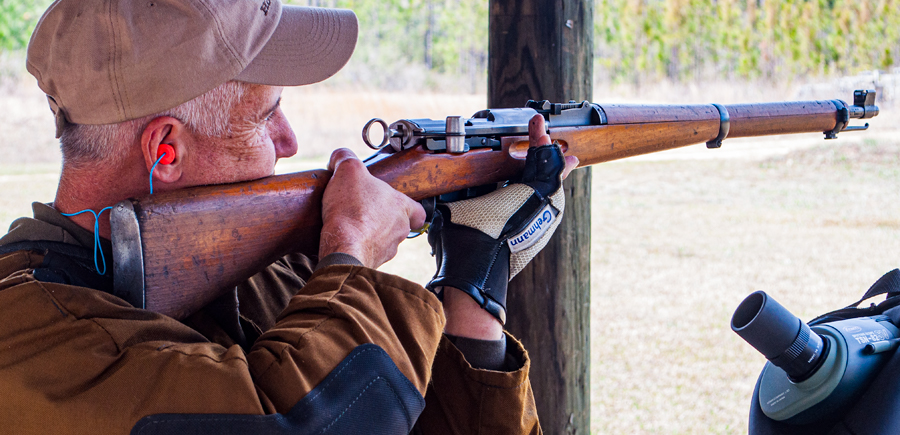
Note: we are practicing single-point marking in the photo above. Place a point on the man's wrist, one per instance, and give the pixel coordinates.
(465, 318)
(482, 354)
(338, 258)
(343, 241)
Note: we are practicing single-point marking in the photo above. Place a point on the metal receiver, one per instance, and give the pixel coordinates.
(484, 129)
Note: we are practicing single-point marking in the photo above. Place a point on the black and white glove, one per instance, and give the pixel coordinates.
(481, 243)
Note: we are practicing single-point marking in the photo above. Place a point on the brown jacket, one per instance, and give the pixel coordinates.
(75, 360)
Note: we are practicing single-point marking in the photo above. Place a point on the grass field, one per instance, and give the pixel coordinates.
(679, 239)
(678, 244)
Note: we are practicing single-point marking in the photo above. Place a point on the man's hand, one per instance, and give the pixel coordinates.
(465, 317)
(363, 216)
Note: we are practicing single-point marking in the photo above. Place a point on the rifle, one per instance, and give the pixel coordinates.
(175, 252)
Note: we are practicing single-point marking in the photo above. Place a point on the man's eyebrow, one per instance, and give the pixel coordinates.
(273, 109)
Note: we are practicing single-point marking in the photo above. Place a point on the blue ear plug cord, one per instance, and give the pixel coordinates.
(96, 236)
(153, 168)
(97, 223)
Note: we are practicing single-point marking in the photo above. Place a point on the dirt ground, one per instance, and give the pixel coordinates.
(678, 244)
(679, 239)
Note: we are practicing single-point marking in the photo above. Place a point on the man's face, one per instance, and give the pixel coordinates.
(260, 136)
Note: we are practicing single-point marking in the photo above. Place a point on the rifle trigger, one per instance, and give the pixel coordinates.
(429, 205)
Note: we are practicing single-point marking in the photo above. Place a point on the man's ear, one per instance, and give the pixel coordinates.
(165, 130)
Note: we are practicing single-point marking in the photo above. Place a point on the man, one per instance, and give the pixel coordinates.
(167, 94)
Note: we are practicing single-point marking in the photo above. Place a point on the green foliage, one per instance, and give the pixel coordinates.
(698, 40)
(17, 21)
(421, 40)
(635, 40)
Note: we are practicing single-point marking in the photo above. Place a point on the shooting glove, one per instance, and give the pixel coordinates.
(481, 243)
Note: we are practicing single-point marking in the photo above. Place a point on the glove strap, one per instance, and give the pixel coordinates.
(483, 300)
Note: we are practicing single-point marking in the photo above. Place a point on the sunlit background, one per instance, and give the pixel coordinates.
(678, 238)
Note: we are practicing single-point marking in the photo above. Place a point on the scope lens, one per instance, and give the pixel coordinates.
(785, 340)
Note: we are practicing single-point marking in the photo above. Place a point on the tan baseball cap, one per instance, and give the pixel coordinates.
(108, 61)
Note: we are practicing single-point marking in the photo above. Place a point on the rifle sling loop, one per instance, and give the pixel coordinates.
(724, 127)
(843, 118)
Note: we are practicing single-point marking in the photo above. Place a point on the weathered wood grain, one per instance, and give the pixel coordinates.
(542, 50)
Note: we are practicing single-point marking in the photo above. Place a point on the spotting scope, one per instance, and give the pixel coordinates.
(814, 372)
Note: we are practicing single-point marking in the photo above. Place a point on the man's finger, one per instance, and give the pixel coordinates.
(416, 215)
(571, 163)
(537, 133)
(537, 136)
(339, 155)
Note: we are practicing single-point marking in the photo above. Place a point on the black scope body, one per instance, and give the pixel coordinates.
(785, 340)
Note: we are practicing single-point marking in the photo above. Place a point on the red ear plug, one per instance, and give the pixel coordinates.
(166, 154)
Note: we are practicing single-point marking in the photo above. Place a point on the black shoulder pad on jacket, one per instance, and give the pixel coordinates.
(365, 393)
(65, 263)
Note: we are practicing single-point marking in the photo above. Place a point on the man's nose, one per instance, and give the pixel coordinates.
(283, 136)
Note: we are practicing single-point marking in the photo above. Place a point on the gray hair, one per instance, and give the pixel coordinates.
(208, 115)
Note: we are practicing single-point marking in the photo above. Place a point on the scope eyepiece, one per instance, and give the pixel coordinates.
(785, 340)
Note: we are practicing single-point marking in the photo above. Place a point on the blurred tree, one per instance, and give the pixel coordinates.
(17, 21)
(442, 44)
(696, 40)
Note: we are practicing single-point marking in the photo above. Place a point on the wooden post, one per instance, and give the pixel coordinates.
(543, 50)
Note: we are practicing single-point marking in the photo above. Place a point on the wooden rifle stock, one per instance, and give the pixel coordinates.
(175, 252)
